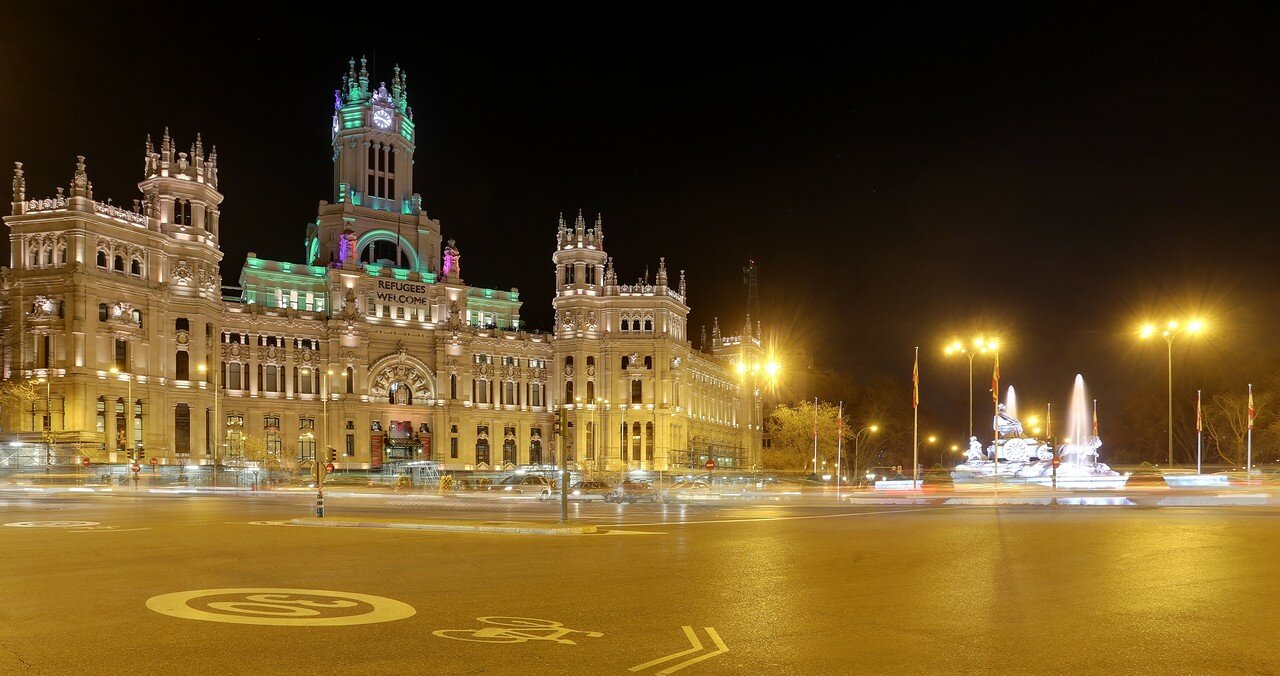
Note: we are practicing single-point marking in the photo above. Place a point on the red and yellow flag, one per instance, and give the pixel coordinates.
(915, 381)
(1095, 417)
(1252, 410)
(995, 381)
(1199, 422)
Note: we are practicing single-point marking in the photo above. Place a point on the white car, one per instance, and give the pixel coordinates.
(690, 491)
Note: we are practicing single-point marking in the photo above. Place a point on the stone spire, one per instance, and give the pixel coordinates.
(662, 272)
(682, 285)
(703, 345)
(197, 151)
(610, 277)
(397, 84)
(600, 230)
(166, 148)
(580, 225)
(212, 172)
(19, 183)
(364, 75)
(715, 330)
(81, 186)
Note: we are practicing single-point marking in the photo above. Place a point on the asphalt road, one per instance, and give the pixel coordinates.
(785, 589)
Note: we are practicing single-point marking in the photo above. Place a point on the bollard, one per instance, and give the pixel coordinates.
(319, 504)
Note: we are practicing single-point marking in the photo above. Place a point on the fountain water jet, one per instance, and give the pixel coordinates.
(1027, 460)
(1011, 402)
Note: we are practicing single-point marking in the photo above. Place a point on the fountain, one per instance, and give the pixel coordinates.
(1027, 460)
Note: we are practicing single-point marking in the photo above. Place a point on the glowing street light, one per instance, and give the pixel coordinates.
(980, 345)
(1170, 331)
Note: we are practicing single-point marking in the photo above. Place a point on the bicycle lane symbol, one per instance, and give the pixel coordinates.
(516, 630)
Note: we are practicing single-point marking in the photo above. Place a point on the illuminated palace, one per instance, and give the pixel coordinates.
(373, 343)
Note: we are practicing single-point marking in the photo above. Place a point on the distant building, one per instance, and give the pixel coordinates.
(375, 318)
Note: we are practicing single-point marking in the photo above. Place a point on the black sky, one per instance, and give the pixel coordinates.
(900, 173)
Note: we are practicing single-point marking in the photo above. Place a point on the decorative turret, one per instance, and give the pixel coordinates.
(81, 186)
(682, 285)
(580, 235)
(610, 275)
(181, 188)
(662, 272)
(715, 330)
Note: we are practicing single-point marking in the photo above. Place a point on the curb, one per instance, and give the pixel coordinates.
(450, 527)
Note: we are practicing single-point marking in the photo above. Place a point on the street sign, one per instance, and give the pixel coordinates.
(328, 467)
(135, 467)
(155, 461)
(84, 462)
(711, 464)
(1057, 461)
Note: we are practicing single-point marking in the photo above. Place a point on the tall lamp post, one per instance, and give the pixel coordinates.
(128, 425)
(1172, 329)
(857, 436)
(980, 346)
(217, 425)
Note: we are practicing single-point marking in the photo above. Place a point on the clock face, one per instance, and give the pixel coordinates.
(382, 118)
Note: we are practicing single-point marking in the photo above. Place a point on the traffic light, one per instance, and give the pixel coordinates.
(142, 453)
(333, 454)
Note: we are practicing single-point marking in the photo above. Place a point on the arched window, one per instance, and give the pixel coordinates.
(119, 266)
(136, 316)
(453, 386)
(648, 362)
(62, 256)
(102, 259)
(385, 252)
(350, 385)
(135, 267)
(182, 365)
(648, 325)
(626, 325)
(48, 257)
(102, 312)
(568, 391)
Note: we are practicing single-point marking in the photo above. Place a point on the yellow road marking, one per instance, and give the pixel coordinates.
(697, 647)
(280, 607)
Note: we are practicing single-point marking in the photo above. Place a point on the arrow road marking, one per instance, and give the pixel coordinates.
(721, 649)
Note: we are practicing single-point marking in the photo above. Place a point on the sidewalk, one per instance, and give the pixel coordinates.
(509, 527)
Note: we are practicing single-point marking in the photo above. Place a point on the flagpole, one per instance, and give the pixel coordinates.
(915, 424)
(1248, 458)
(1199, 432)
(995, 421)
(839, 445)
(815, 436)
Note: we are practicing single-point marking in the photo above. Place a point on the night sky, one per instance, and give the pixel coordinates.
(901, 175)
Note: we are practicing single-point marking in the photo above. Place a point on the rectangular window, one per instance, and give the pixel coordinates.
(637, 392)
(273, 443)
(453, 447)
(233, 376)
(307, 424)
(122, 355)
(535, 394)
(269, 382)
(508, 393)
(351, 445)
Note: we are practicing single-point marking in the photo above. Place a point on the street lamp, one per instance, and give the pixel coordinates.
(217, 424)
(980, 346)
(869, 429)
(1172, 328)
(128, 425)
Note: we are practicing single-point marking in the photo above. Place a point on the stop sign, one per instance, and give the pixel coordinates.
(711, 464)
(84, 462)
(328, 467)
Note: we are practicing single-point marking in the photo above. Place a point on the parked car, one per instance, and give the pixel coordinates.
(525, 484)
(634, 491)
(591, 490)
(690, 491)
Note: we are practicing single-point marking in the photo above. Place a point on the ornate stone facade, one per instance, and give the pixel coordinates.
(372, 344)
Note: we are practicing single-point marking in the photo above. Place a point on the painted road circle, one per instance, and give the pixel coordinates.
(280, 607)
(52, 524)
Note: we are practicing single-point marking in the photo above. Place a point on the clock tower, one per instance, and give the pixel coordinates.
(375, 216)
